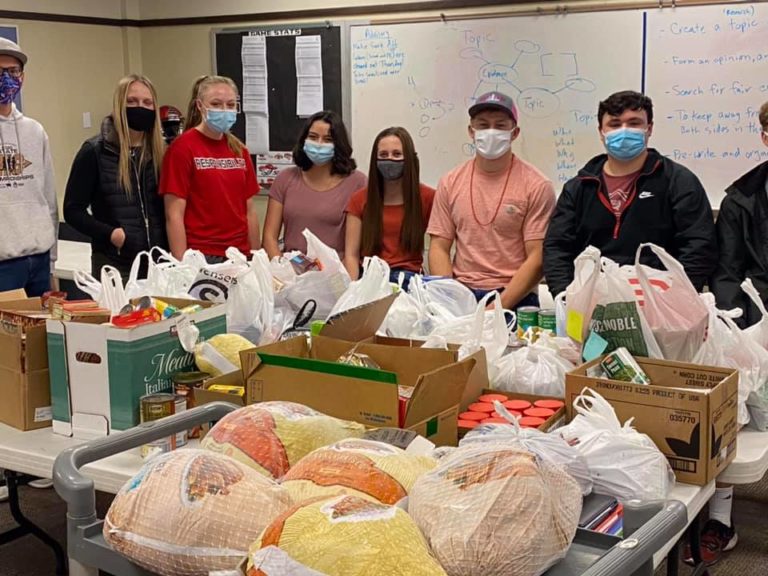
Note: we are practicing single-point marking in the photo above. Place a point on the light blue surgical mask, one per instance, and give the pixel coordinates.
(220, 120)
(319, 153)
(625, 143)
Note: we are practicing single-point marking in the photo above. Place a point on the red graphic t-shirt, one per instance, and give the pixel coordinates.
(216, 185)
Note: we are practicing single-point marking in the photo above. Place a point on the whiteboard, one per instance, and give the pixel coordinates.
(707, 72)
(424, 77)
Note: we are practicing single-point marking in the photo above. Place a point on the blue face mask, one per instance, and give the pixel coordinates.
(9, 87)
(625, 143)
(220, 120)
(319, 153)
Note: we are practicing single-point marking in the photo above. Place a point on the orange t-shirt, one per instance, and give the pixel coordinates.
(392, 221)
(489, 252)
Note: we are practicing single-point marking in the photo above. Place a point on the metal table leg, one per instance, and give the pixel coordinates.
(694, 537)
(25, 526)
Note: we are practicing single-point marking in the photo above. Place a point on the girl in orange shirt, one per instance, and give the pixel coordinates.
(389, 217)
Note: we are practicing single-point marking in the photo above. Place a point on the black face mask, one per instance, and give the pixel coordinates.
(139, 118)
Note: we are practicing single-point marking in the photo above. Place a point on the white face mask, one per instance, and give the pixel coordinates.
(492, 143)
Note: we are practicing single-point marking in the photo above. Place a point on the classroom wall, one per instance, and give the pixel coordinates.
(72, 69)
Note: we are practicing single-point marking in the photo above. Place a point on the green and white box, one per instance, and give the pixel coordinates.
(99, 372)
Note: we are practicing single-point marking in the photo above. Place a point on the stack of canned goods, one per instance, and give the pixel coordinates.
(155, 407)
(532, 317)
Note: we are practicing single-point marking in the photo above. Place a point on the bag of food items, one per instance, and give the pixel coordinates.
(624, 463)
(365, 468)
(348, 536)
(496, 510)
(220, 354)
(190, 511)
(273, 436)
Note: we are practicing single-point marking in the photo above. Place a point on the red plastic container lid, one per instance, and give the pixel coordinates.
(531, 422)
(473, 416)
(495, 421)
(540, 412)
(491, 397)
(551, 404)
(481, 407)
(468, 423)
(518, 405)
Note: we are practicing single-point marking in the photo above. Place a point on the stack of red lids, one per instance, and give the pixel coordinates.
(528, 415)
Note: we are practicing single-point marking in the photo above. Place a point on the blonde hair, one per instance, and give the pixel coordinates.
(195, 116)
(152, 141)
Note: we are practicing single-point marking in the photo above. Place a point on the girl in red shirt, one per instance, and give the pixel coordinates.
(389, 217)
(208, 178)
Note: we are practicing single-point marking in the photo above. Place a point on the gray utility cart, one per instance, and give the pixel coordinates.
(647, 527)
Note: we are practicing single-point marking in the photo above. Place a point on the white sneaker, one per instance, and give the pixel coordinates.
(3, 493)
(41, 483)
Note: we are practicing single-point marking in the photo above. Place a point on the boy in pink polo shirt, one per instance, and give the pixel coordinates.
(496, 208)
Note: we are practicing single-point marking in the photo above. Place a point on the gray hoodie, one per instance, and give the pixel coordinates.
(29, 214)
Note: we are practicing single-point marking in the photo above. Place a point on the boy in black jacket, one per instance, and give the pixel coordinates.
(629, 196)
(742, 232)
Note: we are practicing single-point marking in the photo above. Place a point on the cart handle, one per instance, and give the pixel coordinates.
(632, 553)
(78, 490)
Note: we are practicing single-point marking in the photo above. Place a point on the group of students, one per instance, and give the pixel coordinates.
(494, 223)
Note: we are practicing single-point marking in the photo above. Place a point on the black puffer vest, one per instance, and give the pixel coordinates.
(140, 214)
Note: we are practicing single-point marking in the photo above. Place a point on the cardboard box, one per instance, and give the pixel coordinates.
(24, 385)
(290, 371)
(412, 351)
(689, 412)
(99, 372)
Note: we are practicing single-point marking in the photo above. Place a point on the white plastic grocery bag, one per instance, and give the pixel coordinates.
(373, 285)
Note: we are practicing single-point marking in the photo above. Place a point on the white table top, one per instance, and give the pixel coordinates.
(34, 453)
(72, 256)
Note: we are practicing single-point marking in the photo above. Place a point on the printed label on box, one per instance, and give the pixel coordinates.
(43, 414)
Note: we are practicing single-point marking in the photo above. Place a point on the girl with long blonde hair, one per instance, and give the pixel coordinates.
(208, 181)
(111, 194)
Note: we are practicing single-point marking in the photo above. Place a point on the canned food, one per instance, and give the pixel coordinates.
(184, 384)
(527, 317)
(548, 320)
(156, 406)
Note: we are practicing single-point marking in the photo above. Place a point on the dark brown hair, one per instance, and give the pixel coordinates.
(342, 162)
(412, 228)
(616, 104)
(764, 116)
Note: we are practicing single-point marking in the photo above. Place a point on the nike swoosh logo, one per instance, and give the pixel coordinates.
(645, 194)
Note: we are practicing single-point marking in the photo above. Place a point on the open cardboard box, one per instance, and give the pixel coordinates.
(24, 381)
(99, 372)
(291, 371)
(689, 411)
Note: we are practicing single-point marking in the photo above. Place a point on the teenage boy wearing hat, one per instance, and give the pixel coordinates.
(495, 208)
(29, 216)
(627, 196)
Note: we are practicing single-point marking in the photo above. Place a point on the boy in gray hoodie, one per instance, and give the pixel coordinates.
(29, 215)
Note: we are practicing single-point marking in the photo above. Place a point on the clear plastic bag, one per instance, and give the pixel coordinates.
(535, 369)
(616, 315)
(496, 510)
(348, 536)
(671, 306)
(757, 402)
(189, 512)
(373, 285)
(728, 346)
(365, 468)
(483, 329)
(623, 462)
(270, 437)
(251, 301)
(549, 446)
